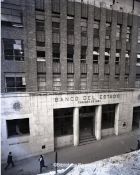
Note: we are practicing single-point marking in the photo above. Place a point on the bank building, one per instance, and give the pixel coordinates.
(70, 73)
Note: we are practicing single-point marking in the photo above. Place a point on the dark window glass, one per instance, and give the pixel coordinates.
(18, 127)
(83, 52)
(96, 29)
(39, 5)
(70, 52)
(63, 122)
(70, 25)
(40, 33)
(108, 116)
(56, 50)
(14, 84)
(108, 30)
(13, 49)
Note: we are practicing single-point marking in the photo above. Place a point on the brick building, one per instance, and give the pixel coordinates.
(69, 73)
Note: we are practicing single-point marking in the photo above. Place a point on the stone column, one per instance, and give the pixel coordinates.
(116, 125)
(98, 116)
(76, 126)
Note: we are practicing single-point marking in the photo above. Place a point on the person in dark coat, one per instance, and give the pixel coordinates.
(41, 160)
(9, 160)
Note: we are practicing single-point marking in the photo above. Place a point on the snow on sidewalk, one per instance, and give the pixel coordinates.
(126, 164)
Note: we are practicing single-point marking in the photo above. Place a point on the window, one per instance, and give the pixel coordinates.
(107, 56)
(41, 80)
(83, 28)
(56, 82)
(83, 82)
(108, 116)
(15, 82)
(39, 5)
(55, 27)
(117, 58)
(95, 55)
(40, 33)
(108, 30)
(63, 122)
(128, 33)
(96, 29)
(70, 25)
(40, 55)
(138, 35)
(70, 82)
(137, 82)
(70, 52)
(127, 57)
(55, 6)
(118, 32)
(11, 17)
(17, 127)
(83, 53)
(13, 49)
(138, 60)
(56, 52)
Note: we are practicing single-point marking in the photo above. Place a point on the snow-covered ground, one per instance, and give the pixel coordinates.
(126, 164)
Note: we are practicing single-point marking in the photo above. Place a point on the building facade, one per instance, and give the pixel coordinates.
(70, 72)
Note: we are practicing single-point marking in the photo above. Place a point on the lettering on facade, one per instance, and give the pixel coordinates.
(87, 98)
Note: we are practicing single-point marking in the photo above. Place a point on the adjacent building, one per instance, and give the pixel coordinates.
(70, 72)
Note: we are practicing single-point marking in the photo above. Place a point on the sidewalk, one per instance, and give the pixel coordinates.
(94, 151)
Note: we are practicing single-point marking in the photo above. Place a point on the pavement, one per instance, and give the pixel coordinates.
(94, 151)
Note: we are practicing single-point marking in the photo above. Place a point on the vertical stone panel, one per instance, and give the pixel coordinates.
(77, 45)
(48, 44)
(30, 46)
(90, 47)
(132, 74)
(63, 43)
(113, 48)
(123, 50)
(76, 126)
(98, 118)
(102, 34)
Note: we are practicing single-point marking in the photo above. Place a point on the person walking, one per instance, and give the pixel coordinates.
(9, 160)
(41, 160)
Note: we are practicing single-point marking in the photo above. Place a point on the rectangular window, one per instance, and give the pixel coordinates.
(128, 34)
(70, 82)
(13, 49)
(138, 59)
(56, 82)
(56, 51)
(108, 116)
(41, 80)
(127, 57)
(83, 53)
(11, 17)
(40, 33)
(118, 32)
(15, 82)
(40, 55)
(107, 56)
(95, 55)
(70, 25)
(63, 122)
(96, 26)
(117, 58)
(70, 52)
(39, 5)
(108, 30)
(55, 27)
(55, 6)
(138, 35)
(137, 82)
(18, 127)
(83, 27)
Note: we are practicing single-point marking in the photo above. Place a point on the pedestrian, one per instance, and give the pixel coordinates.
(138, 145)
(9, 160)
(41, 160)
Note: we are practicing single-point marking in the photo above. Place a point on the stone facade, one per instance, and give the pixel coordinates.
(39, 109)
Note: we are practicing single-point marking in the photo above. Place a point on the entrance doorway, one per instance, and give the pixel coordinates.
(87, 123)
(136, 118)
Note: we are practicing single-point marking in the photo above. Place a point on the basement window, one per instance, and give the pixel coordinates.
(17, 127)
